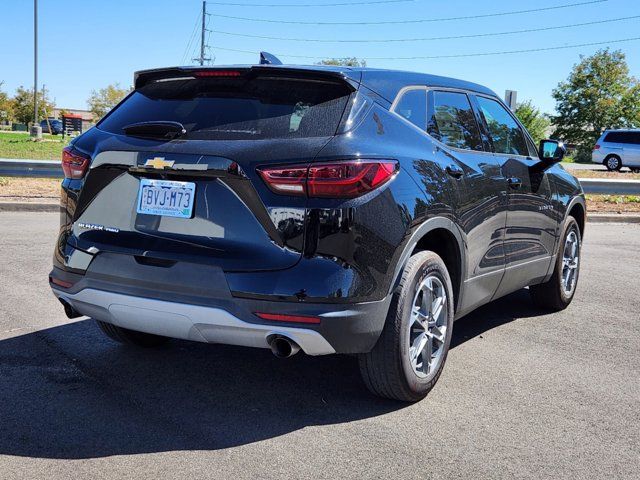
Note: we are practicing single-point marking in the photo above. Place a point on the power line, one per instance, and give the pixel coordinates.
(343, 4)
(461, 55)
(193, 34)
(424, 20)
(426, 39)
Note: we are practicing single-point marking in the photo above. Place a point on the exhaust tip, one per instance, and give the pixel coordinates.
(282, 347)
(69, 311)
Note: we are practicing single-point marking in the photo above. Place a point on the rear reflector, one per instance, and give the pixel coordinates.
(217, 73)
(60, 283)
(74, 163)
(348, 179)
(597, 147)
(278, 317)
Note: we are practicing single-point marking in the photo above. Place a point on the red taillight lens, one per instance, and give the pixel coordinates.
(279, 317)
(597, 147)
(347, 179)
(74, 164)
(60, 283)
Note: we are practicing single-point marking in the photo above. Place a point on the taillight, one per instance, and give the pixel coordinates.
(74, 163)
(597, 147)
(346, 179)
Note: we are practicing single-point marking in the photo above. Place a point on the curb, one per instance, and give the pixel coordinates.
(612, 218)
(29, 207)
(54, 208)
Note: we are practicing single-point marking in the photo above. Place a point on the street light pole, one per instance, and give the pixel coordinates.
(36, 130)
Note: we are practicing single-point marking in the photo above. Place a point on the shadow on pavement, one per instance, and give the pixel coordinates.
(68, 392)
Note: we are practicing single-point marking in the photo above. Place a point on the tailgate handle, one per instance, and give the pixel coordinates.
(154, 262)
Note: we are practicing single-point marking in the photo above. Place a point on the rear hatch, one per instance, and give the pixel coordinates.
(189, 190)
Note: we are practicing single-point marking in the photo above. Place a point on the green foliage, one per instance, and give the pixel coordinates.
(6, 105)
(103, 100)
(22, 104)
(534, 121)
(598, 94)
(347, 62)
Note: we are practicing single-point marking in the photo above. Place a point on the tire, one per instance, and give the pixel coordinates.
(635, 170)
(613, 163)
(131, 337)
(552, 295)
(387, 370)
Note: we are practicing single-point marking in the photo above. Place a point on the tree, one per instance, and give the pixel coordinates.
(6, 106)
(103, 100)
(598, 94)
(347, 62)
(535, 121)
(23, 105)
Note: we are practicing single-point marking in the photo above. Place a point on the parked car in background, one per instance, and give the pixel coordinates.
(618, 148)
(56, 126)
(317, 209)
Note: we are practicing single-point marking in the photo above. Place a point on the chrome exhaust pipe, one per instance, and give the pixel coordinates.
(282, 347)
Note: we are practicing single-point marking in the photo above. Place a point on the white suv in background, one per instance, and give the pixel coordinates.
(618, 148)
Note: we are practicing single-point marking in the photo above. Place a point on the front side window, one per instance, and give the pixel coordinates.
(505, 132)
(413, 107)
(452, 121)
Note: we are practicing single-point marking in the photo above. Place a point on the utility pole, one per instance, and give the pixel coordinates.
(202, 58)
(36, 129)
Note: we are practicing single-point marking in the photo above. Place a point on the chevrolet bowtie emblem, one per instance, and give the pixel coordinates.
(159, 163)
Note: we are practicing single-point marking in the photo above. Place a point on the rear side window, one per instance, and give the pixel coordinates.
(236, 108)
(506, 134)
(623, 137)
(451, 120)
(413, 107)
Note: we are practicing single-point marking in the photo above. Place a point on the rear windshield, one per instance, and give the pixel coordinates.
(623, 137)
(236, 108)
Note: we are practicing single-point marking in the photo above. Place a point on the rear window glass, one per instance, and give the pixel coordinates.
(413, 107)
(452, 121)
(623, 137)
(236, 108)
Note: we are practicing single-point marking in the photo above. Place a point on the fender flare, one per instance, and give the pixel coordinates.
(422, 230)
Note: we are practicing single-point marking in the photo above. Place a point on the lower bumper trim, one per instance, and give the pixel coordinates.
(189, 322)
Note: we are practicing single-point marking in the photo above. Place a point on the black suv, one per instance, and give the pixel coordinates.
(323, 209)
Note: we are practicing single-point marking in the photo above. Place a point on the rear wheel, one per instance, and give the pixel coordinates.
(410, 354)
(613, 163)
(556, 294)
(635, 169)
(131, 337)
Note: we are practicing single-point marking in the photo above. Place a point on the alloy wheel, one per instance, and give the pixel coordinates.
(570, 261)
(428, 326)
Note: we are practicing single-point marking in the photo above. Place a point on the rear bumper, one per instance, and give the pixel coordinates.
(194, 302)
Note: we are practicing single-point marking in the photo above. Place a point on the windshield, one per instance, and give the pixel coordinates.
(236, 108)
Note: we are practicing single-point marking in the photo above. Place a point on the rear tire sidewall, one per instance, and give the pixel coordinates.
(431, 265)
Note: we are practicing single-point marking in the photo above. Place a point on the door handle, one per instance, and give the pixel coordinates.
(454, 170)
(514, 182)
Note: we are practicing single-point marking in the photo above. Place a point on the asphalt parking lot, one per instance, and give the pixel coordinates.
(523, 394)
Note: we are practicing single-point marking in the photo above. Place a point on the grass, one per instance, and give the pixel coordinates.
(21, 146)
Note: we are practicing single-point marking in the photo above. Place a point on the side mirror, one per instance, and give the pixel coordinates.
(551, 151)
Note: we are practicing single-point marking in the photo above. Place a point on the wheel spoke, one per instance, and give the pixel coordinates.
(427, 353)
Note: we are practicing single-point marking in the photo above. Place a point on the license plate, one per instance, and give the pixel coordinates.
(166, 198)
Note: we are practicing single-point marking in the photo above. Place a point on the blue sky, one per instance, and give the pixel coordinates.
(88, 44)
